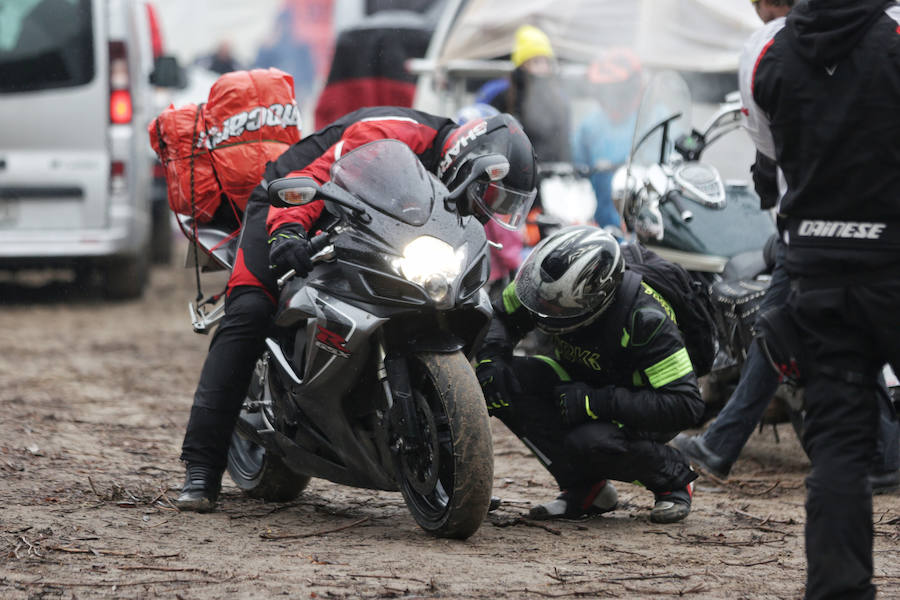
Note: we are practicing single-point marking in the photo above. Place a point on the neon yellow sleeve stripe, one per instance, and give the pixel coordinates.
(587, 408)
(662, 301)
(558, 368)
(510, 301)
(669, 369)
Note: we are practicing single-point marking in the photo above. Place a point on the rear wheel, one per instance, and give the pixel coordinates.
(447, 481)
(161, 234)
(125, 278)
(259, 473)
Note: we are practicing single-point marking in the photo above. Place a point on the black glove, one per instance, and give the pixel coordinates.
(498, 382)
(289, 249)
(580, 403)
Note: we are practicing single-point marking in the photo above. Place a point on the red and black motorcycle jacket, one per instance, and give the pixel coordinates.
(313, 156)
(828, 85)
(635, 346)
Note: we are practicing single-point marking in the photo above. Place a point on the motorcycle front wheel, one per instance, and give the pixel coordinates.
(259, 473)
(446, 481)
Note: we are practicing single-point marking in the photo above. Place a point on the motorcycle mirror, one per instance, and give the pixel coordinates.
(292, 191)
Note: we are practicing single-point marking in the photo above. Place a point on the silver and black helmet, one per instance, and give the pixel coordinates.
(570, 278)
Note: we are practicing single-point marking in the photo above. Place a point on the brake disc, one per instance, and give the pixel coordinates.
(420, 465)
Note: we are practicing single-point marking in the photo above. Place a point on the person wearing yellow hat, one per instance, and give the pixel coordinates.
(533, 94)
(532, 43)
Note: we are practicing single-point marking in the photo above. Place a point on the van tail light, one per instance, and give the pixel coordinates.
(120, 107)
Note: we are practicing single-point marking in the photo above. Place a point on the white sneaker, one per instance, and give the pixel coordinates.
(672, 506)
(578, 503)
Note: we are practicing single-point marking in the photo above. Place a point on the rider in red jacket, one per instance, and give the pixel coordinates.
(274, 240)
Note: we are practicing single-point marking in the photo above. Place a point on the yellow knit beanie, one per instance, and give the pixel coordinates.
(530, 42)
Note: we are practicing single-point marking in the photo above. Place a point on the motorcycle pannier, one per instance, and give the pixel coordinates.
(738, 302)
(219, 149)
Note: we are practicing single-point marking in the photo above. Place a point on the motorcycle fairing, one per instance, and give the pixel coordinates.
(353, 457)
(332, 342)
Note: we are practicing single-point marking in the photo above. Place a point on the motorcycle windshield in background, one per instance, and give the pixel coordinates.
(386, 175)
(664, 115)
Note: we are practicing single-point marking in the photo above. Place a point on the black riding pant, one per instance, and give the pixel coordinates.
(236, 344)
(850, 333)
(590, 452)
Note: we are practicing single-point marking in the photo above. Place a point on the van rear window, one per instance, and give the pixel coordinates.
(45, 44)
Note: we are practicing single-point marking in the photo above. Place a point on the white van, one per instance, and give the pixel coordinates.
(75, 172)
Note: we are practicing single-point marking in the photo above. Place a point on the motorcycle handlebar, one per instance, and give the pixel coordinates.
(316, 245)
(319, 243)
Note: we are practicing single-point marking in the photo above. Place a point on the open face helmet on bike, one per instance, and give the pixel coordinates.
(504, 198)
(570, 278)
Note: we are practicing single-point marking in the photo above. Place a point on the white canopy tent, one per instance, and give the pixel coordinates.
(689, 35)
(698, 35)
(485, 28)
(694, 35)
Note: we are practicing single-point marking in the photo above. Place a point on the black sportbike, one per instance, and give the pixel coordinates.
(366, 380)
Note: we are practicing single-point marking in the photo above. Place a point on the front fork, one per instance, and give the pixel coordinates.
(393, 373)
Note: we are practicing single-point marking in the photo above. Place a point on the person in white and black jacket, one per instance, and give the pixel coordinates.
(716, 450)
(825, 92)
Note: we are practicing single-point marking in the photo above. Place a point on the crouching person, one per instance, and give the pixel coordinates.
(619, 386)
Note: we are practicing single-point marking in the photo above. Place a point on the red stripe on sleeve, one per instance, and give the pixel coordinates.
(756, 66)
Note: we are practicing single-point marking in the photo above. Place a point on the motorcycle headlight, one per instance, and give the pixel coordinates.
(433, 264)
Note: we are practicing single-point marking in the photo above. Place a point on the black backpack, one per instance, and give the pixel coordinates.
(688, 297)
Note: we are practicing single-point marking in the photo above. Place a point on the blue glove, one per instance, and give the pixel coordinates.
(498, 382)
(580, 403)
(289, 249)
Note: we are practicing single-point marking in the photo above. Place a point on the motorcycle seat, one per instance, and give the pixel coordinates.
(746, 265)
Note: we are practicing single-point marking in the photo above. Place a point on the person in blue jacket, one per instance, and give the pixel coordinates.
(602, 140)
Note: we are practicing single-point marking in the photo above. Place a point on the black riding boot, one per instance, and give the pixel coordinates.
(201, 488)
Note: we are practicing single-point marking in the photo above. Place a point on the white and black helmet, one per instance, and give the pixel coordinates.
(570, 278)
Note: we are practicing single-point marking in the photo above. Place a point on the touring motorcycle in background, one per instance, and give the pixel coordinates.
(678, 205)
(365, 379)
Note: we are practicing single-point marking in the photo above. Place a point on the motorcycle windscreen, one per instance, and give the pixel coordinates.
(664, 115)
(370, 173)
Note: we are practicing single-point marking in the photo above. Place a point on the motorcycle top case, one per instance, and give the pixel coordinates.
(220, 149)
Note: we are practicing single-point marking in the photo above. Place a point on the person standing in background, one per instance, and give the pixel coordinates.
(824, 91)
(603, 138)
(533, 94)
(717, 449)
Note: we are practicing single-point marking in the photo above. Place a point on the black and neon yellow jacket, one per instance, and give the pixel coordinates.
(635, 345)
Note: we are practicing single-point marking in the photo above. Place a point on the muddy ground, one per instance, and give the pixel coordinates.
(94, 397)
